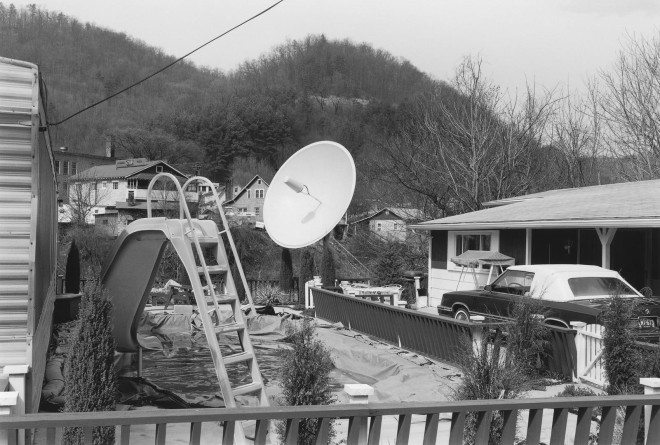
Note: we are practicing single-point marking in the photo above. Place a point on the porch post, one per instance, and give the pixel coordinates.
(528, 246)
(651, 386)
(606, 235)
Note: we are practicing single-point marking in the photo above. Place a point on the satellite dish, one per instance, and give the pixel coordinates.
(309, 194)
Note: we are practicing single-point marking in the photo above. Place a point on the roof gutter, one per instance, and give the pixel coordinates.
(578, 224)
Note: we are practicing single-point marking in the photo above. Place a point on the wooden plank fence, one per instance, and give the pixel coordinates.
(442, 422)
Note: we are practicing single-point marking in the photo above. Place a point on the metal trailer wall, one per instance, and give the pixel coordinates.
(28, 225)
(427, 334)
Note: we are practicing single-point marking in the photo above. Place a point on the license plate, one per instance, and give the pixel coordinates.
(648, 322)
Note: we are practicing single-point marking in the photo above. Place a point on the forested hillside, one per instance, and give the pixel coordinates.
(265, 110)
(441, 146)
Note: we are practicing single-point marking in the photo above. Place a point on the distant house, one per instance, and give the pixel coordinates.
(390, 222)
(248, 203)
(616, 226)
(207, 204)
(70, 163)
(126, 181)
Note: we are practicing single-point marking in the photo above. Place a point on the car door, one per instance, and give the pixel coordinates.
(504, 292)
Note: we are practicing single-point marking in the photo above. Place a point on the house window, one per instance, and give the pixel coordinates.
(472, 241)
(159, 169)
(65, 168)
(259, 193)
(249, 192)
(105, 222)
(132, 183)
(396, 226)
(258, 181)
(379, 227)
(256, 211)
(242, 210)
(58, 165)
(115, 185)
(74, 168)
(104, 185)
(459, 242)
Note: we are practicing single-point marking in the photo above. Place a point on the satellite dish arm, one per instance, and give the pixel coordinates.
(299, 187)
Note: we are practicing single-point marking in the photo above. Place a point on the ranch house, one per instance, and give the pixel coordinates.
(616, 226)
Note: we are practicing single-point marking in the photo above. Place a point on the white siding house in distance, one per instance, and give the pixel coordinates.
(93, 191)
(248, 203)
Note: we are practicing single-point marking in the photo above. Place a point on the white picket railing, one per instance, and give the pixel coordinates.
(589, 345)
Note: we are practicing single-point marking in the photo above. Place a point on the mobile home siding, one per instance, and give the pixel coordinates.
(27, 224)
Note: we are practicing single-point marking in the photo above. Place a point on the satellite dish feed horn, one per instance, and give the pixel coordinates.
(309, 194)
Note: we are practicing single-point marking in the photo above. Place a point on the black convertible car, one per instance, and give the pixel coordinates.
(568, 292)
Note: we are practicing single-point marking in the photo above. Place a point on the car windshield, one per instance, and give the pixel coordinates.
(513, 282)
(598, 286)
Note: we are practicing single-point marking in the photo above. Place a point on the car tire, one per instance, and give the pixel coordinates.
(462, 313)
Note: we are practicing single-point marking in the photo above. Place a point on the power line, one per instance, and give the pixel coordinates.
(165, 67)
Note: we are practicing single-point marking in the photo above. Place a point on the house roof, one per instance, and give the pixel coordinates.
(405, 214)
(110, 171)
(247, 186)
(628, 204)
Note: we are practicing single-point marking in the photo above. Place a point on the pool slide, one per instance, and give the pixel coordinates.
(132, 265)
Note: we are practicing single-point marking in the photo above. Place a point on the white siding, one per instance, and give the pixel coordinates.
(17, 107)
(447, 280)
(442, 280)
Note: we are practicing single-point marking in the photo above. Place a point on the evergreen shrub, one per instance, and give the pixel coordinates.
(306, 272)
(89, 371)
(286, 271)
(328, 272)
(72, 274)
(305, 378)
(621, 359)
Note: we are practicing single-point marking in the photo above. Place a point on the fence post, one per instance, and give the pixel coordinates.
(580, 347)
(309, 299)
(477, 333)
(358, 393)
(651, 386)
(16, 382)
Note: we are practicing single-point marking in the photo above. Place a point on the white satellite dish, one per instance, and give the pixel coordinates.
(309, 194)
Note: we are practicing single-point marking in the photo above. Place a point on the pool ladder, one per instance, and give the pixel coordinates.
(196, 240)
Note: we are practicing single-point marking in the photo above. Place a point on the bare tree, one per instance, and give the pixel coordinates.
(84, 196)
(628, 96)
(471, 143)
(577, 139)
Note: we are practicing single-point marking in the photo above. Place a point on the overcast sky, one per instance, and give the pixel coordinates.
(551, 42)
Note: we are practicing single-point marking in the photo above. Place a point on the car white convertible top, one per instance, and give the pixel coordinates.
(551, 281)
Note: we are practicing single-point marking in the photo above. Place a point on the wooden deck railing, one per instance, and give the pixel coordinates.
(365, 421)
(428, 334)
